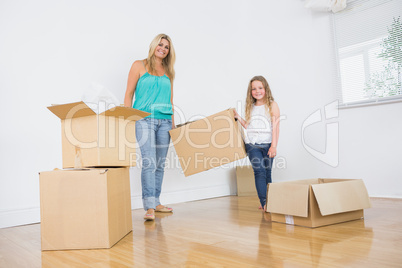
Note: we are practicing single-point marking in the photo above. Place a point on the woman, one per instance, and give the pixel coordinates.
(151, 80)
(262, 132)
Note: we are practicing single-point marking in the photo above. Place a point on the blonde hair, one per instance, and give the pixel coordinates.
(168, 61)
(268, 98)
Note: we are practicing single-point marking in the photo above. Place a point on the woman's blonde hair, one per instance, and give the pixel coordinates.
(268, 98)
(168, 61)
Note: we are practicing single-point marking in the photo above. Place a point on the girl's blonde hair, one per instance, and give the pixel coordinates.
(168, 61)
(268, 98)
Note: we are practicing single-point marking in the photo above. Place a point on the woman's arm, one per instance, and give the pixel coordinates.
(241, 120)
(171, 100)
(133, 77)
(275, 129)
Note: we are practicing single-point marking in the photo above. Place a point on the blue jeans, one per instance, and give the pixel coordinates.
(153, 138)
(262, 166)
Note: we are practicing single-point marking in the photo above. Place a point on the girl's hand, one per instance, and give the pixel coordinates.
(272, 152)
(238, 118)
(236, 115)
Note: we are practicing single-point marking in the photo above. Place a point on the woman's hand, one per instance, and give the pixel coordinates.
(272, 152)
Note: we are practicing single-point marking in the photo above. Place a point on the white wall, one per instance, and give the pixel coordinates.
(51, 51)
(368, 141)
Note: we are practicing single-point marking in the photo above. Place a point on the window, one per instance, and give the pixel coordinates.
(368, 45)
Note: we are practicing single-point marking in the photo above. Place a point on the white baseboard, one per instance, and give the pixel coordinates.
(16, 217)
(387, 196)
(185, 195)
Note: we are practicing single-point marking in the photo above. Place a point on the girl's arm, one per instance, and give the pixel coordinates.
(275, 129)
(241, 120)
(133, 77)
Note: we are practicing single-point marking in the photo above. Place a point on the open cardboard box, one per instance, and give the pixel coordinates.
(209, 142)
(84, 209)
(317, 202)
(92, 140)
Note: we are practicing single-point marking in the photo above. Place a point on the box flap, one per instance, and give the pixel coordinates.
(342, 196)
(101, 170)
(126, 112)
(80, 109)
(188, 122)
(71, 110)
(208, 118)
(213, 117)
(288, 199)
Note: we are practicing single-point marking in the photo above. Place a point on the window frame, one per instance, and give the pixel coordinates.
(363, 50)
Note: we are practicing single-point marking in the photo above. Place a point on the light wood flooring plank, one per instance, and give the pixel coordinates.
(226, 232)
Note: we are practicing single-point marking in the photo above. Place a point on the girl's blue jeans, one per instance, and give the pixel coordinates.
(262, 166)
(153, 139)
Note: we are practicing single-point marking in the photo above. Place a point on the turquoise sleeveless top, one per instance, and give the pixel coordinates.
(152, 95)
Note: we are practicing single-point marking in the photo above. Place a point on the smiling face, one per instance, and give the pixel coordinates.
(162, 49)
(257, 90)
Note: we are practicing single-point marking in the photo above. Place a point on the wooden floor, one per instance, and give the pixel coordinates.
(226, 232)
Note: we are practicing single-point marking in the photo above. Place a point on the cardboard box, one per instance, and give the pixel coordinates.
(84, 209)
(92, 140)
(317, 202)
(207, 143)
(245, 181)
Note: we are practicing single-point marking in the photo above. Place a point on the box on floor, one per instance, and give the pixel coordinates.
(97, 140)
(209, 142)
(84, 209)
(245, 181)
(317, 202)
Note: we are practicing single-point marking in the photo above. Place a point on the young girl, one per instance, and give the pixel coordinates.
(261, 132)
(151, 80)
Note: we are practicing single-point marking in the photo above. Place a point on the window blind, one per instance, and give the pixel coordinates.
(368, 46)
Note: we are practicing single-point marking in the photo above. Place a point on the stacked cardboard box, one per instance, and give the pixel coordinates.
(97, 140)
(88, 205)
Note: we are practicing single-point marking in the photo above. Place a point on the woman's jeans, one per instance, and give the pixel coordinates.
(153, 138)
(262, 166)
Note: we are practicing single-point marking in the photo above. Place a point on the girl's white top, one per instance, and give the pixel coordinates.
(259, 130)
